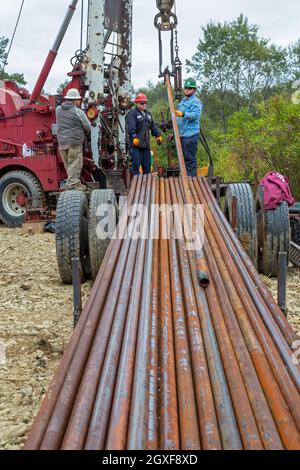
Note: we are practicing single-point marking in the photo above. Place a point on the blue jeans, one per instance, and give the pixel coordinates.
(189, 147)
(140, 157)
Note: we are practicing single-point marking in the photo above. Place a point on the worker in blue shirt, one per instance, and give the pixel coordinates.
(139, 125)
(188, 119)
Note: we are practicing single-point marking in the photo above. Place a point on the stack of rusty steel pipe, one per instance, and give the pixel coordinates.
(159, 362)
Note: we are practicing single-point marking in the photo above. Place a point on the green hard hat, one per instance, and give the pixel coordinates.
(190, 83)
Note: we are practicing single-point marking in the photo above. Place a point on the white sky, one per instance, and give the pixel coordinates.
(41, 19)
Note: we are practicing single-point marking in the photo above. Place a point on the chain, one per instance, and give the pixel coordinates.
(176, 44)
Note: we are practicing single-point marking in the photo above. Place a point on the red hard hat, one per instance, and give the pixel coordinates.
(141, 98)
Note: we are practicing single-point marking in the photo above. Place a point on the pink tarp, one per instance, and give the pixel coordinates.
(276, 190)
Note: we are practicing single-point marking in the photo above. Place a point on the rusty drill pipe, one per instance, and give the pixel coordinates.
(258, 402)
(82, 409)
(189, 432)
(199, 258)
(63, 406)
(228, 326)
(268, 320)
(65, 401)
(152, 422)
(208, 423)
(40, 424)
(157, 362)
(169, 422)
(279, 317)
(243, 411)
(117, 438)
(282, 376)
(227, 421)
(102, 403)
(138, 422)
(285, 422)
(96, 439)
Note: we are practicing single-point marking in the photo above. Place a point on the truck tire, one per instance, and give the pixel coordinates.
(15, 188)
(100, 231)
(245, 217)
(273, 228)
(72, 234)
(295, 230)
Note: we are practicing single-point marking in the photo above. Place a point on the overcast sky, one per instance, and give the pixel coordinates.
(41, 19)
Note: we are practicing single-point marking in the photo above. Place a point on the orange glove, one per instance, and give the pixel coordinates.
(179, 114)
(159, 140)
(136, 142)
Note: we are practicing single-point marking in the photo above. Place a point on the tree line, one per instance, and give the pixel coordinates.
(238, 68)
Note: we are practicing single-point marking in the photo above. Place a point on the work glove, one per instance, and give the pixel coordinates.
(136, 142)
(159, 140)
(179, 113)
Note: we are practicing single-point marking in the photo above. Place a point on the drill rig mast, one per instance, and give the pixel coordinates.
(107, 65)
(104, 72)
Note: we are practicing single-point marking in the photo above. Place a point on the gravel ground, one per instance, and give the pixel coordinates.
(292, 297)
(36, 323)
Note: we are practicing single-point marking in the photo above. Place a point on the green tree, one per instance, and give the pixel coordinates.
(268, 141)
(218, 106)
(3, 45)
(294, 60)
(16, 77)
(232, 58)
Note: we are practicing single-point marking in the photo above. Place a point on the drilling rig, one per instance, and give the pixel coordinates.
(103, 74)
(30, 163)
(32, 173)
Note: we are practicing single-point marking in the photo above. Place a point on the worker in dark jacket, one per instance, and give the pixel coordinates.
(188, 118)
(139, 124)
(72, 128)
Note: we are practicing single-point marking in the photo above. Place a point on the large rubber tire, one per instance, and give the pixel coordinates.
(273, 228)
(295, 209)
(295, 230)
(12, 185)
(72, 234)
(100, 232)
(295, 223)
(246, 218)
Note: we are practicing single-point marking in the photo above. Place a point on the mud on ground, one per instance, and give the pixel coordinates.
(36, 323)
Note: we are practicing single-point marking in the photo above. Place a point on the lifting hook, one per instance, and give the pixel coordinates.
(165, 20)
